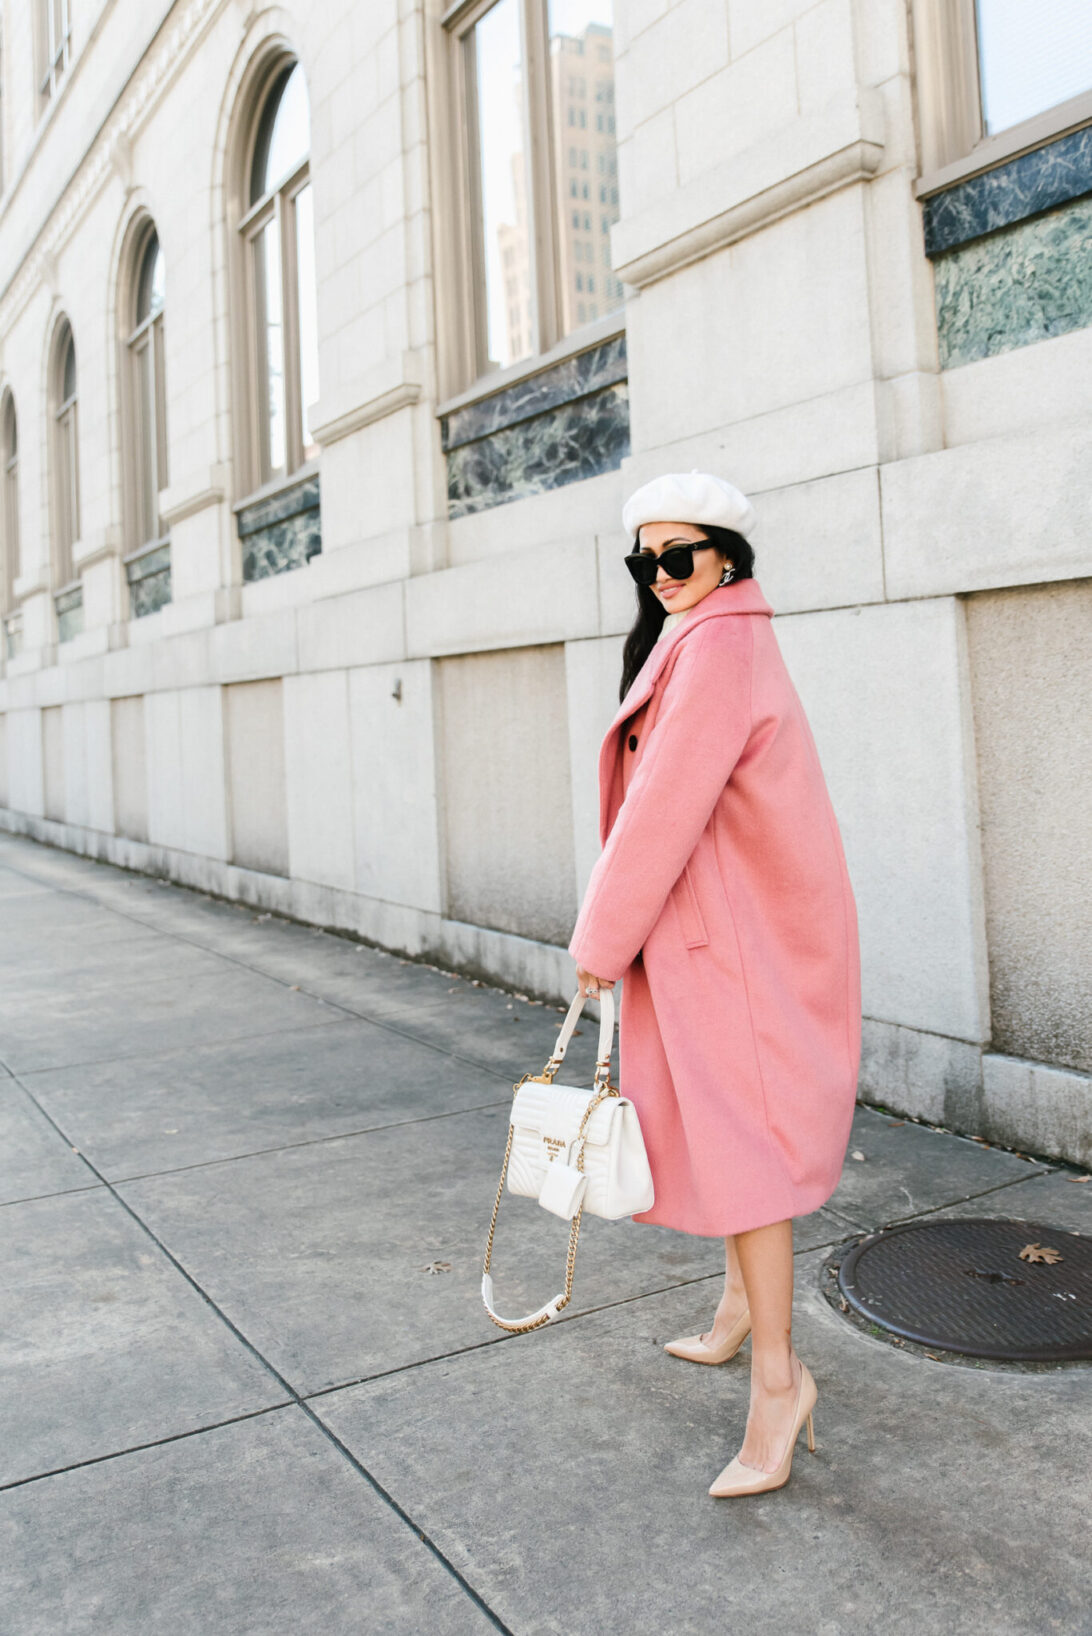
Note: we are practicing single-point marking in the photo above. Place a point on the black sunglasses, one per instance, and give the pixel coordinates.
(677, 562)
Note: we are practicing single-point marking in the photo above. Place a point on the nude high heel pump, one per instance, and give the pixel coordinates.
(693, 1348)
(736, 1478)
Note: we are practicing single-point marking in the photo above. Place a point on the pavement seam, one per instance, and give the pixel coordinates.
(855, 1229)
(59, 1193)
(572, 1318)
(136, 1056)
(1038, 1175)
(312, 1141)
(293, 1397)
(255, 971)
(255, 1153)
(154, 1443)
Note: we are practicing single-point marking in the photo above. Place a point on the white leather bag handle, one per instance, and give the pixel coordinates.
(568, 1028)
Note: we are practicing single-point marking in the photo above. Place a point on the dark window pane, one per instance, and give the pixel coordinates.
(150, 283)
(68, 369)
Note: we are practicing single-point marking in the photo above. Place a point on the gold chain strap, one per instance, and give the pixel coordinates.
(604, 1090)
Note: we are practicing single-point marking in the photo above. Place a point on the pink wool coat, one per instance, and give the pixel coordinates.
(721, 899)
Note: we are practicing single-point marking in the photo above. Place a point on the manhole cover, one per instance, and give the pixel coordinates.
(962, 1286)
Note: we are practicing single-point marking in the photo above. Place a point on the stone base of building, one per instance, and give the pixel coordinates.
(1030, 1106)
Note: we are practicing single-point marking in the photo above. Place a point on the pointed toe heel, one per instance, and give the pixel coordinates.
(736, 1478)
(695, 1350)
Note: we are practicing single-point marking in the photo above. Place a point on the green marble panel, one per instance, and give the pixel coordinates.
(69, 606)
(1022, 285)
(281, 532)
(569, 442)
(149, 579)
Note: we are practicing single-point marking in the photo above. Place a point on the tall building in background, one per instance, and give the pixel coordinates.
(585, 160)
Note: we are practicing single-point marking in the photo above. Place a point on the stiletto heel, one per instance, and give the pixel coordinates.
(736, 1478)
(695, 1350)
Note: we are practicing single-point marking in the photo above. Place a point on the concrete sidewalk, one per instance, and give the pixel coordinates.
(246, 1170)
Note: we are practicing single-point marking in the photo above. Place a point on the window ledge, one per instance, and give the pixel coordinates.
(28, 584)
(392, 385)
(581, 340)
(812, 156)
(278, 485)
(146, 549)
(1020, 139)
(105, 542)
(176, 503)
(1055, 173)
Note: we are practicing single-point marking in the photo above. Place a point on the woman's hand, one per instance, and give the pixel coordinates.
(589, 985)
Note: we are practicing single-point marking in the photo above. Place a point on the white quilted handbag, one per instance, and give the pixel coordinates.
(573, 1150)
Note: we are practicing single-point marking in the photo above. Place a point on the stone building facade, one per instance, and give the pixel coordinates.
(312, 592)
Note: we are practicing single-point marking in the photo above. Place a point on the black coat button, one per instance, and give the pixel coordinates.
(633, 741)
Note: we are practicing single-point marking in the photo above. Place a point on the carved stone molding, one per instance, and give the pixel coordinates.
(394, 384)
(108, 153)
(177, 503)
(813, 157)
(386, 403)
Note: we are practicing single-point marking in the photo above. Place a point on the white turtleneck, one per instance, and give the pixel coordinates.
(672, 619)
(670, 622)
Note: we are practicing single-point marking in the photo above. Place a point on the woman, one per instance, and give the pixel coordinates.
(722, 898)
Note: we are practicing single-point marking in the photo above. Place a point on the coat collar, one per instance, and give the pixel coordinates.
(741, 596)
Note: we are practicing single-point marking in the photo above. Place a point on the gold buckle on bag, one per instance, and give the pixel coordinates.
(537, 1079)
(601, 1080)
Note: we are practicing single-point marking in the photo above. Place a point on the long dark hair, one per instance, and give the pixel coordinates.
(651, 612)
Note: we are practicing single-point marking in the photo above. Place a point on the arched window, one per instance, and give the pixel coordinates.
(146, 440)
(65, 458)
(278, 233)
(9, 445)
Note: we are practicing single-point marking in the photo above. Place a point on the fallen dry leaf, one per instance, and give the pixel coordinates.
(1079, 1178)
(436, 1266)
(1040, 1252)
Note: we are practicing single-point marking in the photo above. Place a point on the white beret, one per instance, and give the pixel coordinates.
(694, 497)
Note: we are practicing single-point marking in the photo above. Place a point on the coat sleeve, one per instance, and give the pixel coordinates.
(700, 732)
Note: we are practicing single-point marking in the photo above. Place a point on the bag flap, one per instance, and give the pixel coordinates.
(556, 1110)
